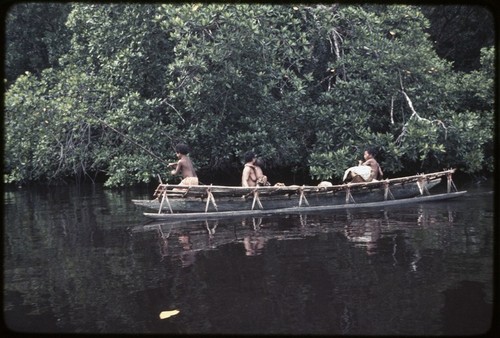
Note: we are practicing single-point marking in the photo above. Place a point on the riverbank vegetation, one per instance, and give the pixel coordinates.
(307, 87)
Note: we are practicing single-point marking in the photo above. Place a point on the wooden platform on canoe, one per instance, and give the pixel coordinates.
(202, 191)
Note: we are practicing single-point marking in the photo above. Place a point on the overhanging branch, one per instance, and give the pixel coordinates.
(415, 115)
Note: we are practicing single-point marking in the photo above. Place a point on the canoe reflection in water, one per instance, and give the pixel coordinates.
(183, 239)
(254, 243)
(364, 232)
(187, 253)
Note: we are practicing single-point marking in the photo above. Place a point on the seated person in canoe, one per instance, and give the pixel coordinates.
(252, 171)
(367, 170)
(261, 178)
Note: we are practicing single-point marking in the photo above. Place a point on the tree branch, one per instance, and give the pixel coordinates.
(419, 118)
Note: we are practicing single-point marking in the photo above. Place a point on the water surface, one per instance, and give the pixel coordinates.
(82, 259)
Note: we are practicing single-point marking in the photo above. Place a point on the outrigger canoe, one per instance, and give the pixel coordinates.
(175, 202)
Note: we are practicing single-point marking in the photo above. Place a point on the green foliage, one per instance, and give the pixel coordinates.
(332, 164)
(35, 37)
(460, 32)
(303, 86)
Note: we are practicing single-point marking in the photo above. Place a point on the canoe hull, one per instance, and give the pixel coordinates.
(303, 209)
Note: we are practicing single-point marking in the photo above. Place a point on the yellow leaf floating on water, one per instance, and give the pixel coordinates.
(167, 314)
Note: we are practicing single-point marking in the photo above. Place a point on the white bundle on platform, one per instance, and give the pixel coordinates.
(361, 170)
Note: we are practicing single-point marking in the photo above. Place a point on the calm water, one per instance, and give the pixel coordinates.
(84, 260)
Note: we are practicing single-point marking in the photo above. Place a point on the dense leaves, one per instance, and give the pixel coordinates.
(459, 33)
(36, 37)
(306, 87)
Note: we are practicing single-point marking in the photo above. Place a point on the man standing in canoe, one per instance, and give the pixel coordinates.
(184, 166)
(249, 176)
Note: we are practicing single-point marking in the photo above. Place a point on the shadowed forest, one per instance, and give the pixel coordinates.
(106, 91)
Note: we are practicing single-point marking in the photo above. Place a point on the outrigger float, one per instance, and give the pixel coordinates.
(176, 202)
